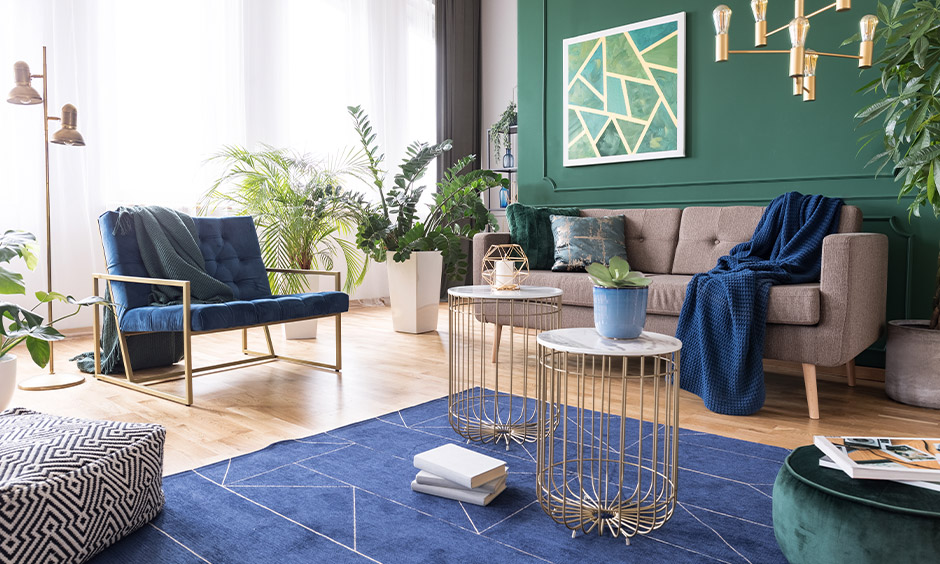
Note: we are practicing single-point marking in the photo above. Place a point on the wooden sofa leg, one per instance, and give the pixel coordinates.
(850, 372)
(812, 396)
(496, 338)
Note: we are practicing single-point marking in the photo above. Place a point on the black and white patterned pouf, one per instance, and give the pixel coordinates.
(70, 487)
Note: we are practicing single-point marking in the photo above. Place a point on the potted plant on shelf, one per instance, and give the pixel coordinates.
(909, 110)
(420, 248)
(305, 218)
(499, 131)
(620, 296)
(22, 325)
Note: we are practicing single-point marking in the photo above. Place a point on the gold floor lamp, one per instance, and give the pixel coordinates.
(23, 94)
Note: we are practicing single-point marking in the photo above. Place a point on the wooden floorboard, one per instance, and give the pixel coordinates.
(242, 410)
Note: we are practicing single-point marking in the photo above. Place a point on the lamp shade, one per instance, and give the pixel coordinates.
(23, 93)
(69, 134)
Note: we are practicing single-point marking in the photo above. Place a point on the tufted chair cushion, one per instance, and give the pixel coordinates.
(233, 255)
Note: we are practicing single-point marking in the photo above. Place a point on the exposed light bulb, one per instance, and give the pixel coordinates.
(867, 26)
(809, 63)
(759, 7)
(722, 17)
(799, 28)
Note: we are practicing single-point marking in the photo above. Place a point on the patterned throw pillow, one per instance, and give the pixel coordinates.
(579, 241)
(531, 228)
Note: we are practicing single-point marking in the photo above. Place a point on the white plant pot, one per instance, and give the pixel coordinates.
(7, 379)
(415, 289)
(306, 329)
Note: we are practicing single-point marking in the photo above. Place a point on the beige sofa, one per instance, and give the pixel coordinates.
(826, 323)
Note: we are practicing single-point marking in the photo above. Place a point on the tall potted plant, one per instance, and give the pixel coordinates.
(909, 113)
(21, 325)
(304, 215)
(420, 248)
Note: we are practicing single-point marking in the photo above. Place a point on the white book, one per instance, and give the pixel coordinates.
(425, 478)
(466, 496)
(461, 466)
(884, 458)
(827, 462)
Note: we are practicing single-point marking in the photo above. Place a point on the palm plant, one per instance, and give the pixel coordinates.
(909, 110)
(305, 217)
(392, 225)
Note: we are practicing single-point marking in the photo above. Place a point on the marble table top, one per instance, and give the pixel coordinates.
(587, 341)
(523, 293)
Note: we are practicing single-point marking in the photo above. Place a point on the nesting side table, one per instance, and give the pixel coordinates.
(489, 374)
(598, 469)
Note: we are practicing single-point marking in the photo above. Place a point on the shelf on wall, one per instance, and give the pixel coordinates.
(512, 170)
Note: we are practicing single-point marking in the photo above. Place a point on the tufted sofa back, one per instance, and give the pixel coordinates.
(229, 246)
(708, 233)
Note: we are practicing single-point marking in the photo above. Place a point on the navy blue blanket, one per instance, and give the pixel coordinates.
(723, 318)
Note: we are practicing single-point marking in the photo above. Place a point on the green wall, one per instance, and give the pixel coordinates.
(748, 138)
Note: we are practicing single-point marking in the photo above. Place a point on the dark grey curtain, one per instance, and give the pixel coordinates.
(457, 33)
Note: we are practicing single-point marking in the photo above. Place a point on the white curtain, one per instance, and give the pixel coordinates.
(160, 87)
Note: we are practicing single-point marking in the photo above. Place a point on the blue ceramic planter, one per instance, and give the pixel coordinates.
(620, 313)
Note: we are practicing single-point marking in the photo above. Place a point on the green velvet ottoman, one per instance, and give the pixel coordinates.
(821, 515)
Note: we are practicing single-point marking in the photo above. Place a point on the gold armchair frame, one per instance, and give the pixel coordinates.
(188, 371)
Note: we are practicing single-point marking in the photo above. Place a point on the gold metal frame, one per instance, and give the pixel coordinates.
(487, 398)
(188, 371)
(592, 473)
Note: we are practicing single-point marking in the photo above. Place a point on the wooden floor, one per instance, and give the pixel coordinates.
(242, 410)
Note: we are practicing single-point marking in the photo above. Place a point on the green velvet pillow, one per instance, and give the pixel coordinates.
(579, 241)
(531, 229)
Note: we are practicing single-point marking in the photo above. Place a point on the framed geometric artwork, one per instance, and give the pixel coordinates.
(624, 94)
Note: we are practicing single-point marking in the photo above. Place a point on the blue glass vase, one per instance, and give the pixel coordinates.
(508, 160)
(503, 197)
(620, 313)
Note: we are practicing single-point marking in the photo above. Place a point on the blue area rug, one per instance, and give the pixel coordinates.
(345, 496)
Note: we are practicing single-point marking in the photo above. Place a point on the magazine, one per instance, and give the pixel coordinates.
(884, 458)
(827, 462)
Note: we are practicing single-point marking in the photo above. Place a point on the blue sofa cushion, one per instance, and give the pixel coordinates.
(228, 244)
(240, 313)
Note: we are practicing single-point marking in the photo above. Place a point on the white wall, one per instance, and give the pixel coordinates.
(499, 35)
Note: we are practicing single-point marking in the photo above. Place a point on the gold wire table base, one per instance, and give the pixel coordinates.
(491, 360)
(598, 471)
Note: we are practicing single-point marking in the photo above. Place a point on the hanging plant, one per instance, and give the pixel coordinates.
(499, 131)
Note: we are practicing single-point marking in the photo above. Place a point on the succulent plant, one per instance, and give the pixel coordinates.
(617, 275)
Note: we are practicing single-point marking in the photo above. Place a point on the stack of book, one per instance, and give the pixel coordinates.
(454, 472)
(915, 462)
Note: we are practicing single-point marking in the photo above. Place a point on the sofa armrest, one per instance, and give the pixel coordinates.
(482, 243)
(853, 289)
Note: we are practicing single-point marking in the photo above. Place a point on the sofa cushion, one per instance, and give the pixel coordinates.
(709, 233)
(789, 304)
(209, 317)
(580, 241)
(577, 287)
(531, 229)
(650, 236)
(232, 253)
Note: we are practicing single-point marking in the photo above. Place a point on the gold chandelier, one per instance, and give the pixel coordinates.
(802, 60)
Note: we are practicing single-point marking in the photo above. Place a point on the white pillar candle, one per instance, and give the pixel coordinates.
(503, 273)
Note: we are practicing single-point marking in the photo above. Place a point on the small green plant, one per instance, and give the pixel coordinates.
(617, 275)
(499, 131)
(19, 324)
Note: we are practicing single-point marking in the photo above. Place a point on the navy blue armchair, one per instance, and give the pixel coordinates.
(232, 255)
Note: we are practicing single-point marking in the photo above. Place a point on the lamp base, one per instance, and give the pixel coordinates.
(51, 382)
